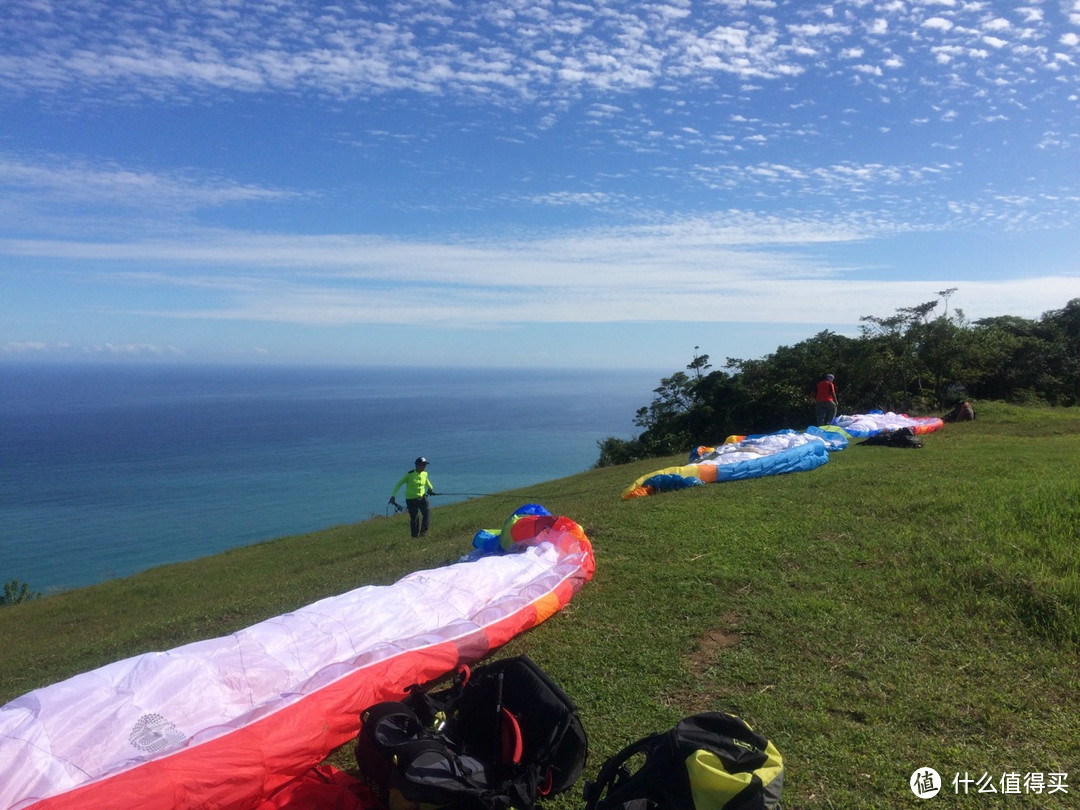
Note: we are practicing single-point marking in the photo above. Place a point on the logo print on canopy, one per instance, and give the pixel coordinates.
(153, 733)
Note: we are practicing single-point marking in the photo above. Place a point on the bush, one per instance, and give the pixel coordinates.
(15, 592)
(619, 451)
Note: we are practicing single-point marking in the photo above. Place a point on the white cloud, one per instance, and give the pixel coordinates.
(499, 53)
(747, 265)
(938, 24)
(44, 349)
(761, 301)
(578, 198)
(21, 347)
(57, 179)
(997, 24)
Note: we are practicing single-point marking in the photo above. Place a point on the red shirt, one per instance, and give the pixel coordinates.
(826, 392)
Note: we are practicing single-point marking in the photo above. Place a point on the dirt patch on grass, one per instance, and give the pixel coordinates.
(701, 661)
(715, 641)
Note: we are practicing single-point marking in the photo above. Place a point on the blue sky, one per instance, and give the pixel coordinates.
(523, 182)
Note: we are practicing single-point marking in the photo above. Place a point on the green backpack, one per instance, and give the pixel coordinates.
(707, 761)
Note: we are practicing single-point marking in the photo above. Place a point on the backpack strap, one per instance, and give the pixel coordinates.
(434, 709)
(613, 773)
(511, 743)
(553, 738)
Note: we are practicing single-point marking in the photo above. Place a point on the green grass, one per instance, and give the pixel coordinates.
(893, 609)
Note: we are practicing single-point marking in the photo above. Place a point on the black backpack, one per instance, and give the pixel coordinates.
(501, 736)
(707, 761)
(902, 437)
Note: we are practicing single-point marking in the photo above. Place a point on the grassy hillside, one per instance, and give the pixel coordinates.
(891, 610)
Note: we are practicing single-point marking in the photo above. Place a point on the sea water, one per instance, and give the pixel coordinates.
(108, 470)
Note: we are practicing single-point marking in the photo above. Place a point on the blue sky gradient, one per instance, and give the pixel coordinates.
(525, 183)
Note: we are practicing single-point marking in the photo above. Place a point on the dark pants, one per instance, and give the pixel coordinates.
(419, 515)
(825, 412)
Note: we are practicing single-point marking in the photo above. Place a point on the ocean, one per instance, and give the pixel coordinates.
(107, 470)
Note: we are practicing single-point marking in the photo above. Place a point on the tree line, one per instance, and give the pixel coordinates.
(915, 361)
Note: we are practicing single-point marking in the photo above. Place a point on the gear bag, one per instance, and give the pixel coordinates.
(902, 437)
(707, 761)
(501, 736)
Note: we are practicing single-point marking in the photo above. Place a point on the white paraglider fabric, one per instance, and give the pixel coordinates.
(221, 722)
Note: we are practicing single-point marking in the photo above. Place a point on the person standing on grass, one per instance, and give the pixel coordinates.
(825, 400)
(417, 488)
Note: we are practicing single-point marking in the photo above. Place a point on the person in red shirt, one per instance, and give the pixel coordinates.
(825, 401)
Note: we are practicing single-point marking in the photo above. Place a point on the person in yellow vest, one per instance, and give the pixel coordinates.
(417, 488)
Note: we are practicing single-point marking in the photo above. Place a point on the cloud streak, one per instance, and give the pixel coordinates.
(753, 272)
(52, 181)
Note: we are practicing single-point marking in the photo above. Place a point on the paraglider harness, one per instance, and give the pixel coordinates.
(707, 761)
(961, 412)
(501, 736)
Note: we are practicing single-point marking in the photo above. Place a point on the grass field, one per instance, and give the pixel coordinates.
(892, 610)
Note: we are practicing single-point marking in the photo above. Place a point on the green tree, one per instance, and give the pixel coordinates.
(1013, 357)
(948, 354)
(1061, 331)
(664, 421)
(896, 341)
(699, 363)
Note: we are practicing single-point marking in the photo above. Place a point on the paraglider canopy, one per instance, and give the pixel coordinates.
(527, 521)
